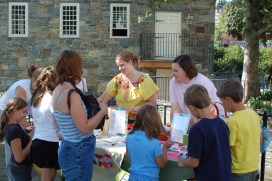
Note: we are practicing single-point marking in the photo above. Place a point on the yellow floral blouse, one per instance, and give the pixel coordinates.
(131, 94)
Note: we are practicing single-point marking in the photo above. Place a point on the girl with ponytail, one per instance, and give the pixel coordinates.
(19, 166)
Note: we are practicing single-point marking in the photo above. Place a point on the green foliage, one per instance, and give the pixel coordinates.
(265, 59)
(229, 59)
(256, 103)
(235, 18)
(266, 95)
(262, 102)
(220, 28)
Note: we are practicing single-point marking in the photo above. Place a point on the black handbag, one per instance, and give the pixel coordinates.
(90, 102)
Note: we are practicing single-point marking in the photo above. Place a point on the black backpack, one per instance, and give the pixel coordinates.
(90, 101)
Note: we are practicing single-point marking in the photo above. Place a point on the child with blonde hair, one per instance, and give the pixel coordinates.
(19, 166)
(146, 152)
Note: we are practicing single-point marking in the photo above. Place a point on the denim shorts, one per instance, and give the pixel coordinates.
(19, 172)
(76, 159)
(139, 177)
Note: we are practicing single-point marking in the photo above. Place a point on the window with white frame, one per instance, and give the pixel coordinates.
(69, 20)
(119, 20)
(18, 19)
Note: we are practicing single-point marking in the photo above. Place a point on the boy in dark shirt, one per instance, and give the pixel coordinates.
(208, 146)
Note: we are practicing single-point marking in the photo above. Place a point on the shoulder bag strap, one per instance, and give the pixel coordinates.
(69, 97)
(83, 83)
(213, 104)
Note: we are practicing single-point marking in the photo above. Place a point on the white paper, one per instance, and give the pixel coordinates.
(117, 122)
(180, 125)
(115, 139)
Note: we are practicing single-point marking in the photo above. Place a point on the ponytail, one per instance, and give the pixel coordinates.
(4, 121)
(15, 103)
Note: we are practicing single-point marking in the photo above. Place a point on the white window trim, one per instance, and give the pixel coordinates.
(26, 20)
(128, 19)
(61, 20)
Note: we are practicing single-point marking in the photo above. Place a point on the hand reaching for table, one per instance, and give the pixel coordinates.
(181, 162)
(168, 144)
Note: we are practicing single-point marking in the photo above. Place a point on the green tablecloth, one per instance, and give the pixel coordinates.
(171, 172)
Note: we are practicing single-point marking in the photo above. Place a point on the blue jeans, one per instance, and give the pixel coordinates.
(8, 158)
(250, 176)
(19, 172)
(139, 177)
(76, 159)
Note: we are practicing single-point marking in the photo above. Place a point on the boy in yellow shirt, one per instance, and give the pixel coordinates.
(245, 132)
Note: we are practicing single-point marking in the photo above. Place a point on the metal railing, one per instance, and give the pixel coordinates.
(164, 83)
(167, 46)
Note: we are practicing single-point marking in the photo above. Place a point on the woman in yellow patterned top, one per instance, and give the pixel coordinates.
(131, 88)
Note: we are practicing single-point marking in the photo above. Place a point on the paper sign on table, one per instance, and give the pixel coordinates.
(180, 126)
(117, 122)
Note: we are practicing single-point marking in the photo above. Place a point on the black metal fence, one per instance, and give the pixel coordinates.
(156, 46)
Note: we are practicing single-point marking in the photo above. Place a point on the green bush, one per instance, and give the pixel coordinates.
(266, 95)
(258, 103)
(265, 64)
(229, 59)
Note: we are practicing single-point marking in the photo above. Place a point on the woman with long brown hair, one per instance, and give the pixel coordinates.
(76, 151)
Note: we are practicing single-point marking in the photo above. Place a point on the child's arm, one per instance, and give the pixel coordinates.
(191, 162)
(162, 159)
(19, 153)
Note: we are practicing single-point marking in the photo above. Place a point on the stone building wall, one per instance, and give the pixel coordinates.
(97, 49)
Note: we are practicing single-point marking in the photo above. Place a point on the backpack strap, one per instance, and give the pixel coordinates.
(69, 97)
(83, 83)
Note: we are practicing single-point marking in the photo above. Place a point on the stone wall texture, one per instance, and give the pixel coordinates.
(97, 49)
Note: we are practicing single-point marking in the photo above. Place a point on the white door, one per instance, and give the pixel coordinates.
(168, 35)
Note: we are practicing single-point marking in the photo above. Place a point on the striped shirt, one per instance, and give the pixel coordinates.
(67, 126)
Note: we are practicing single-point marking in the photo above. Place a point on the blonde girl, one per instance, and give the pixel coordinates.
(19, 167)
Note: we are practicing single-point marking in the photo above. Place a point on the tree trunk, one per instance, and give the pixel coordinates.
(250, 78)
